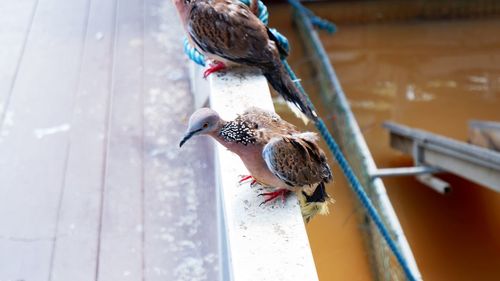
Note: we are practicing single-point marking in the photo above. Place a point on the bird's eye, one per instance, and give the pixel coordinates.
(205, 125)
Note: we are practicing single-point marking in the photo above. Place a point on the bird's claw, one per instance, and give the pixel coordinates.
(213, 68)
(275, 194)
(245, 178)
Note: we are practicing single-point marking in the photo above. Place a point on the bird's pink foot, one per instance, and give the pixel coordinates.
(217, 66)
(245, 178)
(275, 194)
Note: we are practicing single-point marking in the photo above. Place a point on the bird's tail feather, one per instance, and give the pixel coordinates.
(296, 111)
(316, 203)
(280, 80)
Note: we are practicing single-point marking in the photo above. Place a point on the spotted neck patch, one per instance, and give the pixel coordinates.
(238, 132)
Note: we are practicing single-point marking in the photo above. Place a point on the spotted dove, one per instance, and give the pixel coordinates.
(275, 153)
(228, 32)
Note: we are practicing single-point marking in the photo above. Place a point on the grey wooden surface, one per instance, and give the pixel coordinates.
(94, 97)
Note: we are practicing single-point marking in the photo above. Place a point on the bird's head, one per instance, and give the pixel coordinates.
(203, 121)
(183, 7)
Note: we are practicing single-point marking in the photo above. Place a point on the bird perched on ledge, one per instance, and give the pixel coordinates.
(274, 152)
(228, 32)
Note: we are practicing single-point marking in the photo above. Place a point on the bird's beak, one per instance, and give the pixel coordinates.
(187, 136)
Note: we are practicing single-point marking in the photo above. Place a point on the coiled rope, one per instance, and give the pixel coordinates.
(263, 15)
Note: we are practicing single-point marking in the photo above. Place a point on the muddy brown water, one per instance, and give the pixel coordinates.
(433, 75)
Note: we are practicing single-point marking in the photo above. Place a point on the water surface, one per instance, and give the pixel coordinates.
(433, 75)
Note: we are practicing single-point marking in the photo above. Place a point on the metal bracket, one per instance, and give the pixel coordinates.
(418, 152)
(438, 185)
(404, 171)
(421, 173)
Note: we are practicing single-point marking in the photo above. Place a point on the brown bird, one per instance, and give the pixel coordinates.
(228, 32)
(275, 153)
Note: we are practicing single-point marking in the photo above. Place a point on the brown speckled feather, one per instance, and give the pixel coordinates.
(266, 124)
(297, 160)
(268, 119)
(292, 156)
(229, 29)
(275, 153)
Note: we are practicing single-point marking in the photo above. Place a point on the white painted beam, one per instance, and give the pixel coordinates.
(267, 242)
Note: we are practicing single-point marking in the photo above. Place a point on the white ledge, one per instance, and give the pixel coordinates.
(267, 242)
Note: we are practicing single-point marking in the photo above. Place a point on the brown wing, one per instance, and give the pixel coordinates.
(266, 124)
(296, 161)
(230, 30)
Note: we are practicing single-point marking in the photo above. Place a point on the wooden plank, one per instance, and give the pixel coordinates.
(34, 145)
(121, 232)
(76, 243)
(181, 241)
(16, 18)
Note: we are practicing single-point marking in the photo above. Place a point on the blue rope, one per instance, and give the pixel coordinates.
(263, 14)
(282, 41)
(315, 20)
(354, 182)
(193, 54)
(337, 153)
(197, 57)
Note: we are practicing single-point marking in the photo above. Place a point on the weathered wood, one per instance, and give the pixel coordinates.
(180, 216)
(78, 174)
(15, 25)
(76, 244)
(121, 231)
(35, 138)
